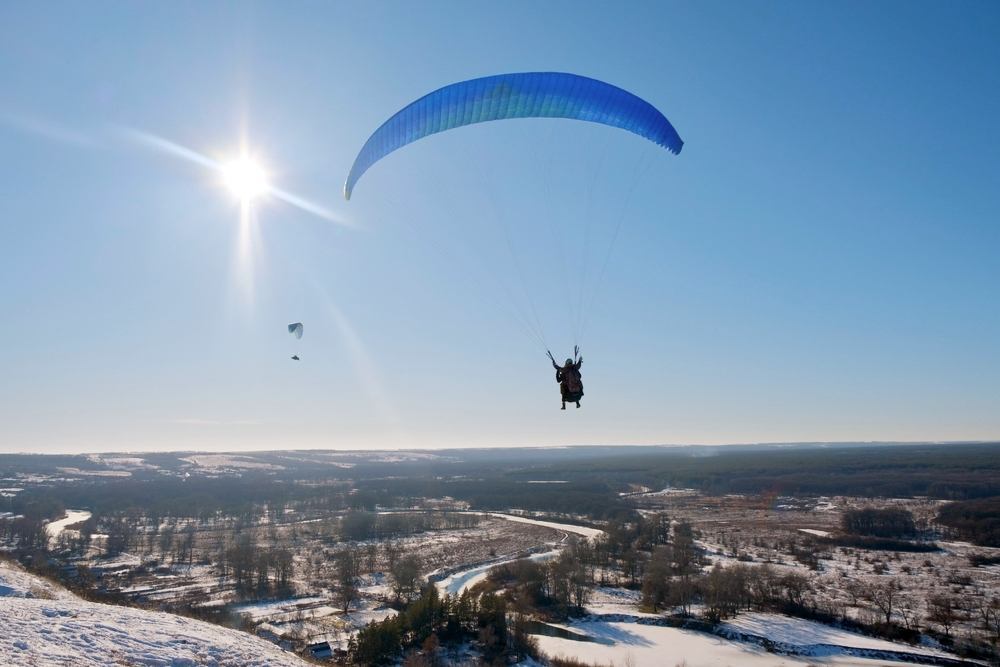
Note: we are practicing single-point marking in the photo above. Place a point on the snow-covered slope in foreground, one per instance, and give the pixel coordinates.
(41, 624)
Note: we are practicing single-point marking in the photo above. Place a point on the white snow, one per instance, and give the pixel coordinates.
(610, 600)
(96, 473)
(657, 646)
(814, 531)
(589, 533)
(259, 610)
(800, 632)
(222, 461)
(669, 491)
(16, 583)
(69, 631)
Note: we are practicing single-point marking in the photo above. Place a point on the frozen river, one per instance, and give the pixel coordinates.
(55, 528)
(455, 583)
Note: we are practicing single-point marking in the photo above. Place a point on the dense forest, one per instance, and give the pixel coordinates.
(975, 520)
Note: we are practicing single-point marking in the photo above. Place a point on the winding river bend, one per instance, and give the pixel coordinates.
(456, 582)
(55, 528)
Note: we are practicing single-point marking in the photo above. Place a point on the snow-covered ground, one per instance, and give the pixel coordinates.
(42, 624)
(807, 634)
(229, 461)
(815, 531)
(16, 583)
(261, 610)
(636, 645)
(612, 600)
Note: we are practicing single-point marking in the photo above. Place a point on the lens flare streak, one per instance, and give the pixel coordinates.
(243, 176)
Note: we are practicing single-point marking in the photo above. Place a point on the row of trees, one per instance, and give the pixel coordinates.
(974, 520)
(879, 522)
(24, 533)
(404, 575)
(257, 570)
(358, 525)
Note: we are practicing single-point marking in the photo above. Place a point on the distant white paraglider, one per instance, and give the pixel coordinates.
(296, 330)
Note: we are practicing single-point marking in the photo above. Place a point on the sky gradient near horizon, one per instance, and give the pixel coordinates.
(820, 263)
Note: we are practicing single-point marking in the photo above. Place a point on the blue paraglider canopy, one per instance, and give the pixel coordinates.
(519, 95)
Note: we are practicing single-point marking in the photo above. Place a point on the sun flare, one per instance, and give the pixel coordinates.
(245, 178)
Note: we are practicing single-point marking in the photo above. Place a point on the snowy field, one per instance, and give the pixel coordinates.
(65, 630)
(635, 645)
(802, 633)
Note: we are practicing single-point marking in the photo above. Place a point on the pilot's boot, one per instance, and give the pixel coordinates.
(564, 406)
(578, 404)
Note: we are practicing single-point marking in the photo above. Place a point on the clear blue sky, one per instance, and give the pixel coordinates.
(822, 262)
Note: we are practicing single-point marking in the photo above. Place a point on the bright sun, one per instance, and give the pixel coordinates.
(245, 178)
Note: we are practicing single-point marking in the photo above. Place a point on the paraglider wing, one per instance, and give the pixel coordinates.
(295, 329)
(520, 95)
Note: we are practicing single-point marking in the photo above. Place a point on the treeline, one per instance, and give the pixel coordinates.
(878, 543)
(360, 525)
(975, 520)
(193, 497)
(23, 534)
(491, 491)
(953, 471)
(876, 522)
(256, 570)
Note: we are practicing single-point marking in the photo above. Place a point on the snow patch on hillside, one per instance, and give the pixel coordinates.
(42, 625)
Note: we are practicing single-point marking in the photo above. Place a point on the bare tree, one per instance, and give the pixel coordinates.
(347, 578)
(906, 607)
(942, 611)
(284, 564)
(371, 557)
(656, 580)
(186, 545)
(166, 540)
(405, 576)
(885, 596)
(684, 553)
(682, 593)
(796, 586)
(855, 590)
